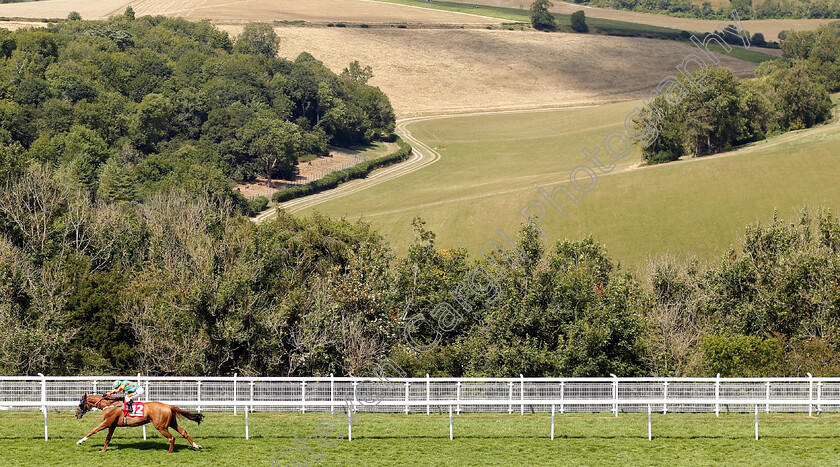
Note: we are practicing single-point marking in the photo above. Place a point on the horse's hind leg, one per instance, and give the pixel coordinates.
(165, 432)
(108, 438)
(185, 435)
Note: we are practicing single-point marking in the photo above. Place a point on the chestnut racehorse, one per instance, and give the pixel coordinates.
(162, 416)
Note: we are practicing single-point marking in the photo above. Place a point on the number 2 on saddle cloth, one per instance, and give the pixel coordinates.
(138, 410)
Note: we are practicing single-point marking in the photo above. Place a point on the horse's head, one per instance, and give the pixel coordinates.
(83, 407)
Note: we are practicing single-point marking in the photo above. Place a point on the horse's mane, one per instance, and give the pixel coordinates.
(105, 398)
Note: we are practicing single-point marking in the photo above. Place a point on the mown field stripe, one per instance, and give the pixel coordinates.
(606, 26)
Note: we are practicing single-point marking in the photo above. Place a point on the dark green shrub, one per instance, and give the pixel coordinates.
(258, 204)
(579, 22)
(338, 177)
(740, 355)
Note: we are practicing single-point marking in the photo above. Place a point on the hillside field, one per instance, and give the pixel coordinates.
(769, 27)
(491, 166)
(462, 70)
(244, 10)
(397, 439)
(361, 11)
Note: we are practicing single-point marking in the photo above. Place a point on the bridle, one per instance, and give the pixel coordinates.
(97, 404)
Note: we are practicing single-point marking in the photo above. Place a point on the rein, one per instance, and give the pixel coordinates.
(96, 405)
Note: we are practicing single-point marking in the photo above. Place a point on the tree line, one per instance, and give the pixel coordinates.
(723, 111)
(129, 107)
(183, 284)
(122, 248)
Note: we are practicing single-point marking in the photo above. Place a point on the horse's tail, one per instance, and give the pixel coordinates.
(196, 417)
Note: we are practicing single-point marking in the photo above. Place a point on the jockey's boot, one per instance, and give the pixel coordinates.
(129, 405)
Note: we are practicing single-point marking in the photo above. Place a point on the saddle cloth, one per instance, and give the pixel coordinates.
(138, 410)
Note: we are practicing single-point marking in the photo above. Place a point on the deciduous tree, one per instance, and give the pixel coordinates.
(258, 39)
(541, 18)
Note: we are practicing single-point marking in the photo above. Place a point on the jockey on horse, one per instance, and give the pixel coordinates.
(130, 388)
(162, 416)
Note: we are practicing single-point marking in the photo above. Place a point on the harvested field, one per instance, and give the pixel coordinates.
(358, 11)
(308, 171)
(769, 27)
(15, 25)
(444, 71)
(89, 9)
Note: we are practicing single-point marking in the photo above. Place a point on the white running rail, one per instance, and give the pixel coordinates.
(439, 395)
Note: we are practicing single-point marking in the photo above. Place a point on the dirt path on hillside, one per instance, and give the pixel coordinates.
(422, 156)
(431, 156)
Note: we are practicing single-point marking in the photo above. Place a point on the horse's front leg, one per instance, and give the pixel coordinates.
(101, 427)
(108, 438)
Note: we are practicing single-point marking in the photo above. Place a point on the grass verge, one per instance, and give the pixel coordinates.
(418, 439)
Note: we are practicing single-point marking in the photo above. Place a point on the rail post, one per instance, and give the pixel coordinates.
(407, 385)
(303, 397)
(615, 394)
(450, 423)
(767, 397)
(147, 398)
(562, 396)
(521, 394)
(247, 433)
(428, 387)
(650, 432)
(510, 397)
(44, 407)
(234, 392)
(458, 397)
(819, 397)
(717, 395)
(552, 421)
(756, 422)
(198, 398)
(251, 384)
(349, 424)
(332, 394)
(665, 398)
(810, 394)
